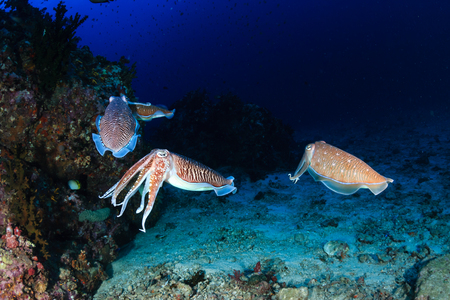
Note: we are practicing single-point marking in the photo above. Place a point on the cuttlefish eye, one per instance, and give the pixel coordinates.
(162, 153)
(309, 147)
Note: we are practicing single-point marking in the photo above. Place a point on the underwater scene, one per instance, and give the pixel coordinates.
(262, 149)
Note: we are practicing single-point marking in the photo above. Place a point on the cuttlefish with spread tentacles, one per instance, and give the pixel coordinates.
(161, 165)
(338, 170)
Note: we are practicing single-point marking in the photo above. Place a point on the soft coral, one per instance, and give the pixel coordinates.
(10, 237)
(236, 276)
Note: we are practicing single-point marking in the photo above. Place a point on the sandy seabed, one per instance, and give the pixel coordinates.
(326, 245)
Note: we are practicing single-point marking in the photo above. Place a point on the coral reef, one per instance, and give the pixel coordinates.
(94, 216)
(257, 283)
(52, 41)
(106, 78)
(21, 274)
(228, 132)
(49, 99)
(54, 131)
(22, 208)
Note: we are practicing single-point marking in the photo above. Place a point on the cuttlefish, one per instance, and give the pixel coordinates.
(148, 112)
(161, 165)
(117, 128)
(338, 170)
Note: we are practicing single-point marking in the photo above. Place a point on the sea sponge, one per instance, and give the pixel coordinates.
(94, 215)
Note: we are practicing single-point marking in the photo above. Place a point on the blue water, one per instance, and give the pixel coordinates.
(370, 77)
(306, 61)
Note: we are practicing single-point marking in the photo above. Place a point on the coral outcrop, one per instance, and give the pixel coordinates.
(227, 132)
(50, 94)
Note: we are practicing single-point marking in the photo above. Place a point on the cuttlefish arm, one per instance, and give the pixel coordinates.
(304, 163)
(153, 170)
(115, 190)
(154, 180)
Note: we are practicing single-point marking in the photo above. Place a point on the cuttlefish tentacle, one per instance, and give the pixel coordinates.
(160, 165)
(338, 170)
(304, 163)
(142, 189)
(144, 167)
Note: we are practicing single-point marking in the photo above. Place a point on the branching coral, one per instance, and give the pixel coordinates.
(53, 40)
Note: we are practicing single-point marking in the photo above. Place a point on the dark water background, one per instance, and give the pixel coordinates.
(310, 62)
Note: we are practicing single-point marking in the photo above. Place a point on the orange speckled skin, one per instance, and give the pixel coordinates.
(332, 162)
(147, 110)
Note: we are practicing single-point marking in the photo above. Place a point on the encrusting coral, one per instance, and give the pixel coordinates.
(22, 276)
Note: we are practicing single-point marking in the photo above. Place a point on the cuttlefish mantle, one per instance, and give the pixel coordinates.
(117, 129)
(148, 112)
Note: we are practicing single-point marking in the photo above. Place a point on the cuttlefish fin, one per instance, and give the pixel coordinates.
(170, 115)
(97, 139)
(344, 189)
(378, 188)
(349, 188)
(128, 148)
(157, 114)
(99, 144)
(139, 103)
(226, 189)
